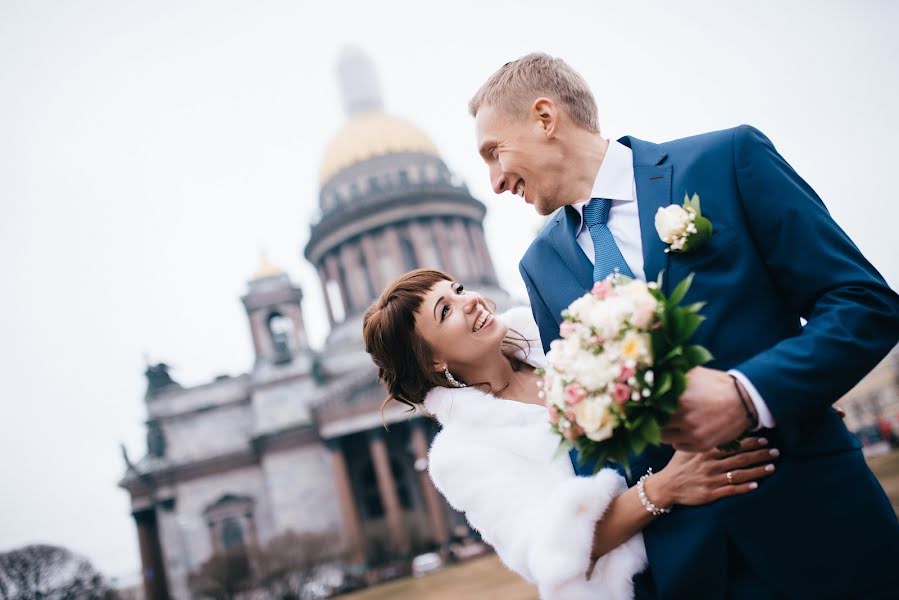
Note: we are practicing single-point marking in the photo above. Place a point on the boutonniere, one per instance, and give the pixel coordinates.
(683, 228)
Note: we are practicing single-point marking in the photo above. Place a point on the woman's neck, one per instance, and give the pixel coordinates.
(505, 381)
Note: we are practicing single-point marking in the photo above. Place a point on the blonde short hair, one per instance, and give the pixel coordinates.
(518, 83)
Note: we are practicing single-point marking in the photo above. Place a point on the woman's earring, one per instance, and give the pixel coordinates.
(451, 379)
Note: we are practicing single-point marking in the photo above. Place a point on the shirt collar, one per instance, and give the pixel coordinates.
(615, 179)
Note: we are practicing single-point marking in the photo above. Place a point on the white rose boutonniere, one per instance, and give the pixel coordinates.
(683, 228)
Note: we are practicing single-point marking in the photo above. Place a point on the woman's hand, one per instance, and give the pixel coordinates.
(693, 478)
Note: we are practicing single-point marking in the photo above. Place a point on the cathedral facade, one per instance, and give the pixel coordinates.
(298, 442)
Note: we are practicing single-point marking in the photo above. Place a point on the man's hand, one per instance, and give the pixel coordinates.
(709, 413)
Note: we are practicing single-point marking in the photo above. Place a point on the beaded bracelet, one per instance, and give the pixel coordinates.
(649, 506)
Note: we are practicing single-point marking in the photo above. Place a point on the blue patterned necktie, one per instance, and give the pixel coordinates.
(607, 256)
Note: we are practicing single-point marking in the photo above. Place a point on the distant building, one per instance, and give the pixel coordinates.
(874, 401)
(297, 443)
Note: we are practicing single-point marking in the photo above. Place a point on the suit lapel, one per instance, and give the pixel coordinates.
(565, 244)
(652, 175)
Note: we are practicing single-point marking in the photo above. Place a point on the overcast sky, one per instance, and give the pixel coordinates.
(148, 150)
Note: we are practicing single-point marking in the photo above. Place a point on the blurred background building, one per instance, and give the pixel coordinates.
(872, 406)
(297, 444)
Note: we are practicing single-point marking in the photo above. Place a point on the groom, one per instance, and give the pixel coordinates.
(821, 526)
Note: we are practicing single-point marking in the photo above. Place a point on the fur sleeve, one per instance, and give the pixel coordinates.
(539, 519)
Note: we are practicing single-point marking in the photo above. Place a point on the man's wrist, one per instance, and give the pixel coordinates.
(766, 419)
(751, 414)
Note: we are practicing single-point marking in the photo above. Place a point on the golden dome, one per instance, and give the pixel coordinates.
(266, 269)
(370, 134)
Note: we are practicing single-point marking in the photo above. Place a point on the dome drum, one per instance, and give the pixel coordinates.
(340, 226)
(383, 174)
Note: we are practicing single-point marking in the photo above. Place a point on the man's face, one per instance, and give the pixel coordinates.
(523, 159)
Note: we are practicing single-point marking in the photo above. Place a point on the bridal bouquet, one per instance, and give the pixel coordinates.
(614, 377)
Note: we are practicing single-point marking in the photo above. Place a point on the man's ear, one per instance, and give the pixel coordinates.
(546, 113)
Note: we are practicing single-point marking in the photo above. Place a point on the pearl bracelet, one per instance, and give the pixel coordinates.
(649, 506)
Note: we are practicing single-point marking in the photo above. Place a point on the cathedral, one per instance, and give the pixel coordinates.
(298, 442)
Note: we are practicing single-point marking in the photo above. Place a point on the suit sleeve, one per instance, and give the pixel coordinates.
(852, 314)
(539, 522)
(546, 323)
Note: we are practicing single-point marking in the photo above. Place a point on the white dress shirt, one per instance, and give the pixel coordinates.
(615, 181)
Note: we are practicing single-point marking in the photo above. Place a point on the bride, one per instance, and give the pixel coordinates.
(440, 347)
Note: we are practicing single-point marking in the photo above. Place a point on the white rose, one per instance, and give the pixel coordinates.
(604, 432)
(594, 372)
(595, 418)
(592, 413)
(564, 353)
(672, 222)
(555, 394)
(643, 303)
(637, 347)
(580, 307)
(633, 288)
(609, 316)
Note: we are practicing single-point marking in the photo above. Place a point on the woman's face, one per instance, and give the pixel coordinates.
(459, 327)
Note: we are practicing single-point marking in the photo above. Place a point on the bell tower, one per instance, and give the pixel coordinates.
(273, 305)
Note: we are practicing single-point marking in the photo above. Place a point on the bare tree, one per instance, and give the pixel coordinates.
(291, 559)
(44, 572)
(222, 577)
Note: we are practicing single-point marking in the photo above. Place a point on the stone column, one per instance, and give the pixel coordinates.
(477, 234)
(367, 243)
(387, 489)
(351, 260)
(152, 566)
(334, 274)
(438, 230)
(474, 250)
(433, 503)
(323, 278)
(393, 248)
(424, 245)
(469, 254)
(351, 524)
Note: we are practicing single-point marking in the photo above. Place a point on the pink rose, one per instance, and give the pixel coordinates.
(602, 289)
(574, 393)
(569, 414)
(553, 412)
(568, 329)
(621, 394)
(626, 373)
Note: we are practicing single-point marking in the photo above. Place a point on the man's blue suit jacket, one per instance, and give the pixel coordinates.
(821, 526)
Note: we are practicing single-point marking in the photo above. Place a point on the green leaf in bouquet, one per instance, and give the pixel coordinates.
(669, 407)
(692, 321)
(697, 355)
(651, 432)
(638, 444)
(678, 383)
(632, 406)
(676, 326)
(663, 385)
(681, 290)
(673, 353)
(633, 424)
(695, 307)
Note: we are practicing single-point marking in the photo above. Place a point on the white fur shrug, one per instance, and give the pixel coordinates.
(494, 461)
